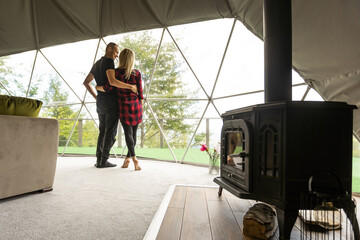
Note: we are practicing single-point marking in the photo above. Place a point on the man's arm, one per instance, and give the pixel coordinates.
(87, 82)
(110, 73)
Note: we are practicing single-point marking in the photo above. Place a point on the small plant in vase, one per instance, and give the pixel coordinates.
(214, 157)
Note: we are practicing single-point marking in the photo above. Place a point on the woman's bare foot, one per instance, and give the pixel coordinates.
(136, 164)
(126, 163)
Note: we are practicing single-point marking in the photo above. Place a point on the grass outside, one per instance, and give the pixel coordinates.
(193, 156)
(356, 175)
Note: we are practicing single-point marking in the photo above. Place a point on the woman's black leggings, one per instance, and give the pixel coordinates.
(130, 138)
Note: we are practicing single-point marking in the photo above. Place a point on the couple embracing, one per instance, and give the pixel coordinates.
(118, 96)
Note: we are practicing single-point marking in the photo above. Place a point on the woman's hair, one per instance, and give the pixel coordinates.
(126, 61)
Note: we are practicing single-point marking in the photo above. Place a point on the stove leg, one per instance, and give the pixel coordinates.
(286, 220)
(220, 191)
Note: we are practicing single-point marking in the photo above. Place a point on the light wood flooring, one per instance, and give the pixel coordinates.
(196, 212)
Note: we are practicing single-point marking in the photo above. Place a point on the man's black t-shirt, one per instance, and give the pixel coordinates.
(99, 70)
(106, 101)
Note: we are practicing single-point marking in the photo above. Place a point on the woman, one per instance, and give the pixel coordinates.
(130, 104)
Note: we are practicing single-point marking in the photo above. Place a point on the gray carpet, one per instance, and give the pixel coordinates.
(90, 203)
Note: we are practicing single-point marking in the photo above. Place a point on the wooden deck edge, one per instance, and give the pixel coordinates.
(155, 224)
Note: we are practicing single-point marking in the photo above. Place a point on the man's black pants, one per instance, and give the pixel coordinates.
(108, 123)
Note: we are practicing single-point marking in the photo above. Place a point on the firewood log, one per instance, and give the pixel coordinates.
(260, 221)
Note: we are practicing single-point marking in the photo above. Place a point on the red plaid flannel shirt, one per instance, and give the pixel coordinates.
(130, 107)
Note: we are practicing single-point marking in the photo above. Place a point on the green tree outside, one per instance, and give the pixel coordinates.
(55, 96)
(4, 71)
(90, 134)
(11, 81)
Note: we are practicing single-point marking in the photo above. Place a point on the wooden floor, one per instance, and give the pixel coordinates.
(196, 212)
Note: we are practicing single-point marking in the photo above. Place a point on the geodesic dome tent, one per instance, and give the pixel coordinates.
(325, 33)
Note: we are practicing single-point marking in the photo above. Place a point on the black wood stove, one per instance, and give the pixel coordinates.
(269, 151)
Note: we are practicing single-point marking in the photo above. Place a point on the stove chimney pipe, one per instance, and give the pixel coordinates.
(277, 34)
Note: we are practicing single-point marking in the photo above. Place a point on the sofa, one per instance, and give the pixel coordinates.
(28, 154)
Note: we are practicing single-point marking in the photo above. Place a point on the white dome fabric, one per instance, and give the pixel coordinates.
(326, 34)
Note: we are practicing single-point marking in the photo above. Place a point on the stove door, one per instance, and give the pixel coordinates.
(236, 153)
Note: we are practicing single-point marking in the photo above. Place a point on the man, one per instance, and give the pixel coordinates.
(103, 71)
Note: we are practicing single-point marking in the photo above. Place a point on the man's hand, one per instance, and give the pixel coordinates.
(133, 88)
(99, 88)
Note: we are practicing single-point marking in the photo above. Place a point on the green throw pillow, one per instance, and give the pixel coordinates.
(7, 105)
(19, 106)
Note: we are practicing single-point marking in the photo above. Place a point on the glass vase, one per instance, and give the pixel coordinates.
(214, 166)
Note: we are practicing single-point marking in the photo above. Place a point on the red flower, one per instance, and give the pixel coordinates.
(204, 148)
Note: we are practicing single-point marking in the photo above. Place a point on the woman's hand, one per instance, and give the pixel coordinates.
(99, 88)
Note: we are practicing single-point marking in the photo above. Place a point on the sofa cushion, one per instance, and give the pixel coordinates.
(20, 106)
